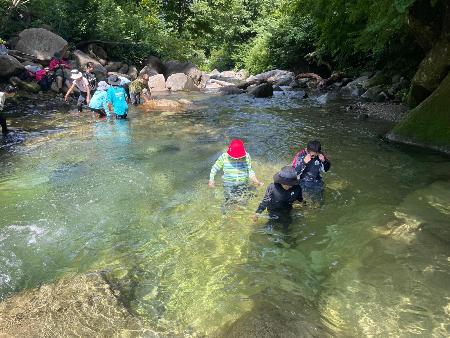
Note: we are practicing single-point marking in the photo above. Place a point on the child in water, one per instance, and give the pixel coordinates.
(237, 172)
(309, 163)
(99, 101)
(117, 98)
(280, 195)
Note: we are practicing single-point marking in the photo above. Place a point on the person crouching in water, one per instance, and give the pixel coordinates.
(82, 84)
(137, 88)
(280, 196)
(237, 172)
(117, 98)
(309, 163)
(99, 101)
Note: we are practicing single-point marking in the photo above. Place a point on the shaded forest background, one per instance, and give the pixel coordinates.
(257, 35)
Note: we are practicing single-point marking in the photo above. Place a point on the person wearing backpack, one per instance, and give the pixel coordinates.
(90, 76)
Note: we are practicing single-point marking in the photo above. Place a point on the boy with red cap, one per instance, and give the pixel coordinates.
(237, 171)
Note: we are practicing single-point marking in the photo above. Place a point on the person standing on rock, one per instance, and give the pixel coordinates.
(117, 98)
(82, 85)
(237, 173)
(57, 67)
(309, 163)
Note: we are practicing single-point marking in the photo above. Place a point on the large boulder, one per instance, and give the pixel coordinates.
(272, 76)
(82, 59)
(31, 87)
(374, 94)
(40, 43)
(356, 87)
(132, 72)
(429, 123)
(180, 81)
(114, 66)
(97, 52)
(153, 66)
(157, 83)
(9, 66)
(187, 68)
(262, 90)
(124, 69)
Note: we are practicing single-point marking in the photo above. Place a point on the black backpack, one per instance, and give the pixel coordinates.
(92, 80)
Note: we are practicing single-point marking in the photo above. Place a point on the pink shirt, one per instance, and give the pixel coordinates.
(82, 84)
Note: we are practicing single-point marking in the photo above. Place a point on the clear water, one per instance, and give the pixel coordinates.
(130, 198)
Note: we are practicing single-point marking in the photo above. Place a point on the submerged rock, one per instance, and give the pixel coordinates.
(163, 104)
(266, 320)
(82, 306)
(263, 90)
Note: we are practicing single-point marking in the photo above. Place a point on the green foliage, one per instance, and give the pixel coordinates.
(224, 34)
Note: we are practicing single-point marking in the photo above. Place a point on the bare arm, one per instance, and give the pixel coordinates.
(69, 91)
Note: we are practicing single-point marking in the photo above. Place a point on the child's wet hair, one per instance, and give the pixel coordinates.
(314, 146)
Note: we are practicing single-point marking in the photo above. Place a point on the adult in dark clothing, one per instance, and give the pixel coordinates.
(280, 196)
(309, 163)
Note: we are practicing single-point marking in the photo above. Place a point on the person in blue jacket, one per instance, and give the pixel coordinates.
(309, 163)
(99, 101)
(117, 98)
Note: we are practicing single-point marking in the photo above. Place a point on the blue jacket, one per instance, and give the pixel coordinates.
(100, 101)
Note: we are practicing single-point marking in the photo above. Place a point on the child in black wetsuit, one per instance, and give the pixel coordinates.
(281, 194)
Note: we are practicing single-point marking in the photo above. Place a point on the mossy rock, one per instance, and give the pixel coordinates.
(429, 123)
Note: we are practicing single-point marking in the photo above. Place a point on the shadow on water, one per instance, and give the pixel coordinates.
(130, 198)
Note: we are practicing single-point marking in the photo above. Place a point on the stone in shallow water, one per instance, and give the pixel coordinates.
(267, 320)
(82, 306)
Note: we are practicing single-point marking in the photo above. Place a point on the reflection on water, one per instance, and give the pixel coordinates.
(130, 198)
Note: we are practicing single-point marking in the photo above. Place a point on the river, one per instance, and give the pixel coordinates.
(130, 198)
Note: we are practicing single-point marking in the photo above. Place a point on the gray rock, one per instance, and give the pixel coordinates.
(372, 93)
(41, 43)
(204, 80)
(153, 66)
(9, 66)
(262, 90)
(157, 83)
(132, 72)
(271, 77)
(396, 78)
(114, 66)
(356, 87)
(180, 81)
(82, 59)
(124, 69)
(284, 81)
(97, 52)
(187, 68)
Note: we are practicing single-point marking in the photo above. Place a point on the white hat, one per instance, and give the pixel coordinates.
(75, 74)
(102, 85)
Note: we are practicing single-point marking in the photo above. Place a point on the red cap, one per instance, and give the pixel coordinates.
(236, 149)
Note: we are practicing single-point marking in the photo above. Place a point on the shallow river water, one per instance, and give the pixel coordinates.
(130, 198)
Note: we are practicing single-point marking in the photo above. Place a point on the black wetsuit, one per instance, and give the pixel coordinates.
(278, 200)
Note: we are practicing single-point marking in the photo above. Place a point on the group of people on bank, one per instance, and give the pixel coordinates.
(106, 98)
(301, 181)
